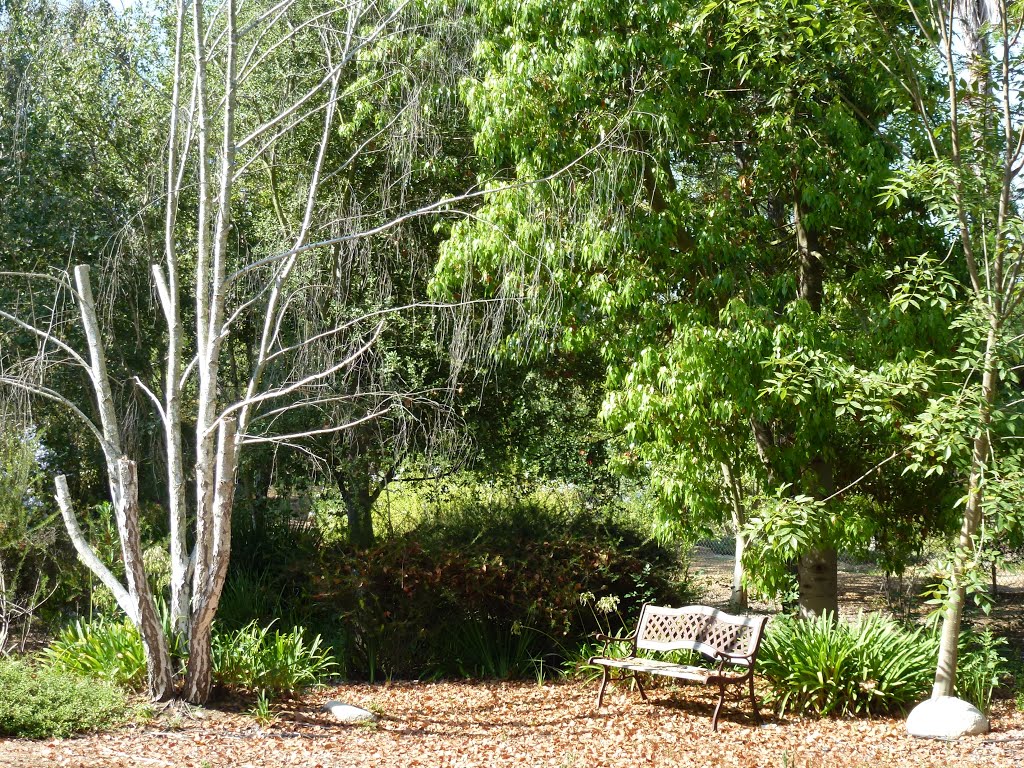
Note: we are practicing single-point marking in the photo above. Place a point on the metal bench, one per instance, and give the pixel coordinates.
(732, 641)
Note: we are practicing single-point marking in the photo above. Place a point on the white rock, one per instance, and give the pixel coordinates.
(946, 718)
(346, 713)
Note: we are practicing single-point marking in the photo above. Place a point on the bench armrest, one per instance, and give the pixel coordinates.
(609, 639)
(612, 639)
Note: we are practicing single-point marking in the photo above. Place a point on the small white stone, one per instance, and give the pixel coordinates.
(346, 713)
(946, 718)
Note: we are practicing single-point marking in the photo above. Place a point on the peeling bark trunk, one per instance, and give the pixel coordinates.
(154, 642)
(212, 568)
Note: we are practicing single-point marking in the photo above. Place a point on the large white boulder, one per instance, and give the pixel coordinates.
(946, 717)
(346, 713)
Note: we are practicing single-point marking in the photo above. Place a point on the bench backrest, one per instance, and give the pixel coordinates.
(700, 628)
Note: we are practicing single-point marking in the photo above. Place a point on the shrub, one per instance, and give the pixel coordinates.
(490, 587)
(255, 659)
(821, 666)
(980, 668)
(38, 703)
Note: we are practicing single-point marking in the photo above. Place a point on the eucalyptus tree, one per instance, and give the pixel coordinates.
(723, 248)
(243, 345)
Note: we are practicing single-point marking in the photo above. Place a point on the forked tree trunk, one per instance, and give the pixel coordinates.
(213, 553)
(154, 641)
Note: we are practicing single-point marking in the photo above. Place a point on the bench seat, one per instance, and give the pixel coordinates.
(668, 669)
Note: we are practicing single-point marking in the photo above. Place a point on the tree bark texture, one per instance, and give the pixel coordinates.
(817, 571)
(154, 641)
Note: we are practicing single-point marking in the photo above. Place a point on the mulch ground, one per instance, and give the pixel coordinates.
(516, 724)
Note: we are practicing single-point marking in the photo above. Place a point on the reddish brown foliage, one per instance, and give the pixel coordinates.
(518, 724)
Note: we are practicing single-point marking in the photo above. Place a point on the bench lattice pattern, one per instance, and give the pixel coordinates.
(732, 639)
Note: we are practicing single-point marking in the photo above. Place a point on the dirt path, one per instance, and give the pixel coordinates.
(519, 724)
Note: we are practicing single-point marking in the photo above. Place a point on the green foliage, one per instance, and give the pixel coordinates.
(826, 667)
(261, 710)
(488, 587)
(248, 596)
(254, 658)
(662, 152)
(980, 668)
(27, 533)
(37, 702)
(479, 649)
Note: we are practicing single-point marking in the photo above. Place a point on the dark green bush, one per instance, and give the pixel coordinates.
(38, 703)
(486, 589)
(823, 667)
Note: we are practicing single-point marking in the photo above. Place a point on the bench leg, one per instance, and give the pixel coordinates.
(718, 707)
(640, 686)
(604, 682)
(753, 702)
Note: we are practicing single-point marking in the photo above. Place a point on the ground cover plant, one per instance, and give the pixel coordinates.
(38, 702)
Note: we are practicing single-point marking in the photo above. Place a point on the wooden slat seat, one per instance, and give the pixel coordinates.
(732, 641)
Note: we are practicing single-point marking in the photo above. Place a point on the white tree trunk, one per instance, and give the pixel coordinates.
(168, 290)
(732, 483)
(154, 641)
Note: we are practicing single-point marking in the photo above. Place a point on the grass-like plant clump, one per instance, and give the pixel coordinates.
(253, 658)
(101, 649)
(871, 665)
(38, 702)
(826, 667)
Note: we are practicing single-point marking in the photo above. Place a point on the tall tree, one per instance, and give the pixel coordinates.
(969, 181)
(719, 242)
(232, 104)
